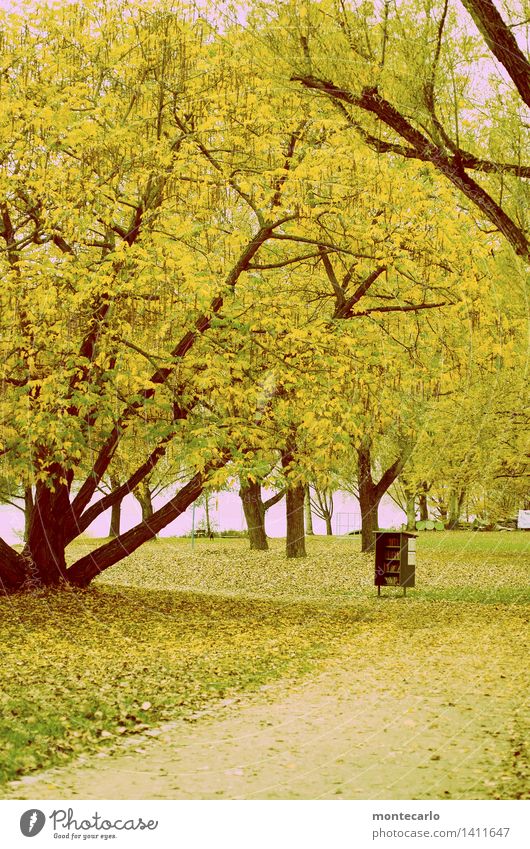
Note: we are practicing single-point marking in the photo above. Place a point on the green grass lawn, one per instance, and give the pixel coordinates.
(173, 630)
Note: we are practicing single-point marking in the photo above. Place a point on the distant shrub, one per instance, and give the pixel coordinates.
(232, 533)
(229, 533)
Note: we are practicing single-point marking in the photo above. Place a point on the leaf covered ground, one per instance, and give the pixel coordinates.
(172, 631)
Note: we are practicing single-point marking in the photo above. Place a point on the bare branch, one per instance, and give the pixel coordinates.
(345, 311)
(262, 266)
(337, 288)
(411, 308)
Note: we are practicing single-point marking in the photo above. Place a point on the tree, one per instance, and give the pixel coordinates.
(371, 491)
(322, 504)
(417, 98)
(255, 509)
(170, 240)
(308, 514)
(115, 515)
(294, 502)
(115, 199)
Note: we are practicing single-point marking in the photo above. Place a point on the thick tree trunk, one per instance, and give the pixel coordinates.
(44, 551)
(369, 504)
(308, 514)
(115, 512)
(295, 541)
(28, 511)
(43, 562)
(294, 506)
(329, 529)
(12, 568)
(368, 498)
(254, 510)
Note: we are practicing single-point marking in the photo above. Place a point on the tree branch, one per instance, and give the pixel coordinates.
(84, 570)
(451, 167)
(502, 43)
(270, 502)
(12, 567)
(410, 308)
(262, 266)
(160, 376)
(124, 489)
(332, 277)
(345, 311)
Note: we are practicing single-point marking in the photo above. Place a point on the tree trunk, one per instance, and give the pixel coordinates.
(368, 499)
(143, 496)
(295, 541)
(28, 511)
(44, 551)
(254, 510)
(369, 504)
(209, 533)
(115, 512)
(452, 513)
(411, 510)
(115, 520)
(43, 562)
(294, 506)
(13, 568)
(442, 509)
(371, 493)
(456, 501)
(308, 514)
(422, 502)
(323, 507)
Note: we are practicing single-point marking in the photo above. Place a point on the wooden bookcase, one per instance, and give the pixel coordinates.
(395, 559)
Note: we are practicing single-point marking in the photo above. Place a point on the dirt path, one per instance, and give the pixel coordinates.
(441, 732)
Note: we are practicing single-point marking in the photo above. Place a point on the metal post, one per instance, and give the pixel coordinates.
(378, 589)
(193, 527)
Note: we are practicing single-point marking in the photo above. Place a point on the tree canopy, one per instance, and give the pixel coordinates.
(225, 243)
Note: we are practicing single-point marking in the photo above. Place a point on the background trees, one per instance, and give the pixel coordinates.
(236, 281)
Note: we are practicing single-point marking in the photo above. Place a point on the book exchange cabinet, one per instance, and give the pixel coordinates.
(395, 560)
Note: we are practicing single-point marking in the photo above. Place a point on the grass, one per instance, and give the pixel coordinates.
(457, 566)
(173, 630)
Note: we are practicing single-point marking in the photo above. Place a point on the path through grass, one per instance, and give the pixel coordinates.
(171, 631)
